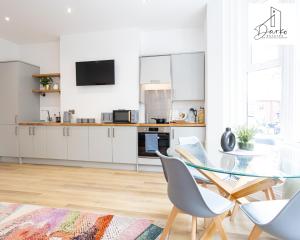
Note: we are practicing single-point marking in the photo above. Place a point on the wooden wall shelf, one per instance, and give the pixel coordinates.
(46, 91)
(46, 75)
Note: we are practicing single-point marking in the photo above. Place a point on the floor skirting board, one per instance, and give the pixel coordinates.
(72, 163)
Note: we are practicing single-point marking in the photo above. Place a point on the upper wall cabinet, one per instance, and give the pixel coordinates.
(156, 69)
(188, 76)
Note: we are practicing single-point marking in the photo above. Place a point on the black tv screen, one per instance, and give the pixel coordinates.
(95, 73)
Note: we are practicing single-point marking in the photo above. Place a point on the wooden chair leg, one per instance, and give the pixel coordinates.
(266, 191)
(271, 193)
(210, 230)
(222, 232)
(255, 233)
(169, 224)
(194, 228)
(206, 222)
(234, 211)
(213, 227)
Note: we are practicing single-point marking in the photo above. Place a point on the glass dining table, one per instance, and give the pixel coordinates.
(254, 171)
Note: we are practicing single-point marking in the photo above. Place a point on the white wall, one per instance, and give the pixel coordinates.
(89, 101)
(8, 51)
(46, 56)
(214, 75)
(173, 41)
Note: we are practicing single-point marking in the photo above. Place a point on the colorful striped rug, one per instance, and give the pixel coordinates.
(29, 222)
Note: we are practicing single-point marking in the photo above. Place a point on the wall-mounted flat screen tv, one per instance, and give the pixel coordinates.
(95, 73)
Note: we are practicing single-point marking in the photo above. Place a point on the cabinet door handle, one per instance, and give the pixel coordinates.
(33, 131)
(64, 131)
(108, 132)
(68, 132)
(16, 131)
(29, 131)
(113, 132)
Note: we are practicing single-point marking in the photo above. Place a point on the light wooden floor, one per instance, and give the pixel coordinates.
(108, 191)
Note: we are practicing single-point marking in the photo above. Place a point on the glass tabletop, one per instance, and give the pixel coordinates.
(265, 161)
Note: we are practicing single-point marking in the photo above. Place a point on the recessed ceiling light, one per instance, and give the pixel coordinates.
(69, 10)
(7, 19)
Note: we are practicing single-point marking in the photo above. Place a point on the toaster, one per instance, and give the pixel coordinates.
(107, 117)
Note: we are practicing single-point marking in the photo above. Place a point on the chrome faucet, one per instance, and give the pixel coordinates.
(49, 118)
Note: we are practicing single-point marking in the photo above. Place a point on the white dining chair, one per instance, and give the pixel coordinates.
(189, 198)
(202, 156)
(280, 218)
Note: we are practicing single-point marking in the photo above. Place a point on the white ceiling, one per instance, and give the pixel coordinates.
(33, 21)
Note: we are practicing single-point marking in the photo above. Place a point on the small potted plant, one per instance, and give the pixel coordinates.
(46, 82)
(245, 136)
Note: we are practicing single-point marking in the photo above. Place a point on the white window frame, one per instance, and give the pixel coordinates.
(254, 67)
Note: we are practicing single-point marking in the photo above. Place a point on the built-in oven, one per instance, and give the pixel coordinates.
(151, 139)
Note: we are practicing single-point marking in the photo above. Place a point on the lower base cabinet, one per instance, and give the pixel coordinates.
(125, 145)
(9, 145)
(113, 144)
(32, 141)
(95, 144)
(100, 144)
(177, 132)
(78, 143)
(57, 143)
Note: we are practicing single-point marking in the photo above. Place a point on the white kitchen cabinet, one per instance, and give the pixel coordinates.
(78, 143)
(17, 102)
(8, 93)
(155, 69)
(57, 143)
(124, 145)
(188, 76)
(39, 141)
(177, 132)
(32, 141)
(100, 144)
(9, 145)
(26, 141)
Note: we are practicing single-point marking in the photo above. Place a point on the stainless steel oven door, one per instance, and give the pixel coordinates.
(150, 141)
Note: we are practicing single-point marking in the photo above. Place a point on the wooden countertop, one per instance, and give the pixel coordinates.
(113, 124)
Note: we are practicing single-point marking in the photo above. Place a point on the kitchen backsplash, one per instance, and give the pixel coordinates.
(157, 104)
(184, 107)
(176, 108)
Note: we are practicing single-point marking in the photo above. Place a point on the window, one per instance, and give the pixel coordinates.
(264, 89)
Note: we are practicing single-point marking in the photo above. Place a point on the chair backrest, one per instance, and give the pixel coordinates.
(183, 191)
(194, 147)
(188, 140)
(286, 224)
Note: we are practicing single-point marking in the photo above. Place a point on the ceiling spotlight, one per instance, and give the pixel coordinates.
(69, 10)
(7, 19)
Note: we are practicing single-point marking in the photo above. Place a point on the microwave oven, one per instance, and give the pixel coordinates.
(125, 116)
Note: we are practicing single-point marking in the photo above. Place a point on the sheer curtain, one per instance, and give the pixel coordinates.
(291, 89)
